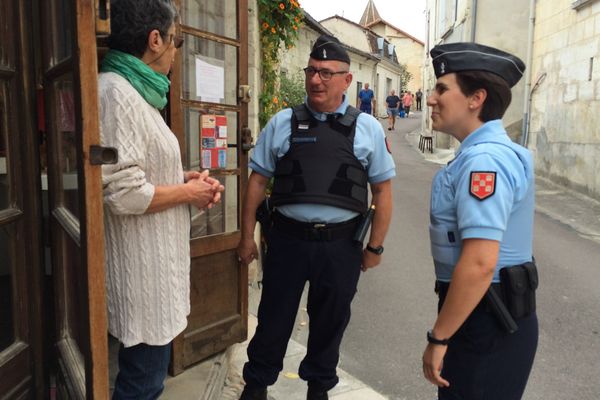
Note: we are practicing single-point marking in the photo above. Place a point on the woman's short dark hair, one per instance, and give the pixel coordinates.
(498, 92)
(132, 20)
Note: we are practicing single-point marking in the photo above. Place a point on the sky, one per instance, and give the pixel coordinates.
(407, 15)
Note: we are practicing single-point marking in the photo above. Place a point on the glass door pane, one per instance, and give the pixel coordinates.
(4, 153)
(219, 17)
(7, 244)
(61, 26)
(66, 138)
(223, 217)
(7, 47)
(209, 71)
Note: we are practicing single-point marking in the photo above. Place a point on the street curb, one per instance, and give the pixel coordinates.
(577, 212)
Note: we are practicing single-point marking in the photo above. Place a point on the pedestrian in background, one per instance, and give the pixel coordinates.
(146, 196)
(393, 103)
(407, 100)
(323, 155)
(482, 207)
(418, 98)
(366, 99)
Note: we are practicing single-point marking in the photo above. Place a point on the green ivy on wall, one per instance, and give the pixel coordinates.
(279, 21)
(291, 90)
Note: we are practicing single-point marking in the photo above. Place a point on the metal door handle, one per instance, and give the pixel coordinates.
(102, 17)
(100, 155)
(247, 144)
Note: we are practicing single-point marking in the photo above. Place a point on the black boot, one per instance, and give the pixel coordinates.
(316, 393)
(254, 393)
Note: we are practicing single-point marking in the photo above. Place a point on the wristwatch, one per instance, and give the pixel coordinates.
(433, 340)
(376, 250)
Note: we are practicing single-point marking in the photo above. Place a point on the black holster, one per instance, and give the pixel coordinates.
(264, 217)
(519, 284)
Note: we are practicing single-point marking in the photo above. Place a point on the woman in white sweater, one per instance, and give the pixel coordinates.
(146, 195)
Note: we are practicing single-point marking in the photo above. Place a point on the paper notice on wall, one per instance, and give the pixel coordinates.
(210, 80)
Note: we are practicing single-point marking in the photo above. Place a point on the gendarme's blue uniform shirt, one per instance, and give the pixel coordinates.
(486, 192)
(369, 148)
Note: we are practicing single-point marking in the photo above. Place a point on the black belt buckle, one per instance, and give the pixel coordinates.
(319, 232)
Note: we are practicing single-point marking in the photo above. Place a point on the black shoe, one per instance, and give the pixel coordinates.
(389, 129)
(254, 393)
(316, 394)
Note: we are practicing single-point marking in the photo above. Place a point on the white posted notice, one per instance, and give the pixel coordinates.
(210, 81)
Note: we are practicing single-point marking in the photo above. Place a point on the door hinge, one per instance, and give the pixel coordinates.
(244, 93)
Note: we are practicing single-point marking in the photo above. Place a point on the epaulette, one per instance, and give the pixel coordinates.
(349, 117)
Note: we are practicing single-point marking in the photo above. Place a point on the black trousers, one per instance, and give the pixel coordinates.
(332, 269)
(483, 362)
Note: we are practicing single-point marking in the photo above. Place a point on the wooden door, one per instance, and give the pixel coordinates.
(69, 69)
(209, 114)
(21, 358)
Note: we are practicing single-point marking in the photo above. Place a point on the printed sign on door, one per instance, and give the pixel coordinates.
(213, 141)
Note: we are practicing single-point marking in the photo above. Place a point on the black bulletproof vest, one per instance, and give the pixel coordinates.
(320, 166)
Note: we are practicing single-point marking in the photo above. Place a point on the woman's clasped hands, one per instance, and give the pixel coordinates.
(203, 190)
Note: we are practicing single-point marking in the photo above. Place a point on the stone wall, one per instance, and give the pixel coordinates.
(565, 117)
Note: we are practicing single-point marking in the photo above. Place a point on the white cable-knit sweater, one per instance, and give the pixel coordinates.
(147, 255)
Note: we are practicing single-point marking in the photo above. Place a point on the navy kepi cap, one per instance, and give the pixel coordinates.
(328, 48)
(456, 57)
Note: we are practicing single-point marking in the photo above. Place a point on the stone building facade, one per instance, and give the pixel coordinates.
(564, 130)
(554, 107)
(504, 25)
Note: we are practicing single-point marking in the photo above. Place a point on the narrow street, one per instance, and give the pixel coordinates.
(395, 304)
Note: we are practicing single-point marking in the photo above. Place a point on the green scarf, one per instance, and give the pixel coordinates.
(151, 85)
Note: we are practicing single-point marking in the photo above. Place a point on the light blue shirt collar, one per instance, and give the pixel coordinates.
(323, 116)
(482, 134)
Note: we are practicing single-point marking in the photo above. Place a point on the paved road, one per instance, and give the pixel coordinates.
(395, 304)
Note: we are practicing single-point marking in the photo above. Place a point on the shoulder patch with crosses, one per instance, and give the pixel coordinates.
(482, 184)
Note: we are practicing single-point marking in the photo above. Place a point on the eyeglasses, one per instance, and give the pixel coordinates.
(177, 41)
(324, 74)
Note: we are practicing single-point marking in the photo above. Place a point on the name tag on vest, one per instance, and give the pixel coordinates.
(304, 139)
